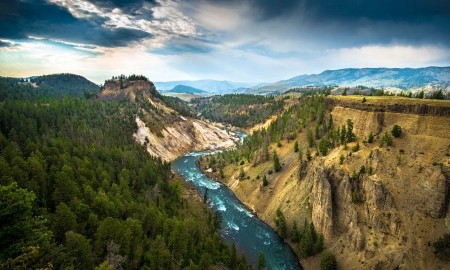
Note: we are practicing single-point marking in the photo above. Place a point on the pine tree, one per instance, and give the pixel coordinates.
(328, 261)
(295, 235)
(280, 222)
(370, 139)
(308, 155)
(276, 162)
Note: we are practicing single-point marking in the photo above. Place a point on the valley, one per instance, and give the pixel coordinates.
(224, 135)
(379, 206)
(363, 180)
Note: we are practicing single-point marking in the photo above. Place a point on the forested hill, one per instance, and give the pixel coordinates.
(66, 84)
(78, 192)
(53, 86)
(240, 110)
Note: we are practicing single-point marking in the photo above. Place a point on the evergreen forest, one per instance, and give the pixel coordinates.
(77, 192)
(240, 110)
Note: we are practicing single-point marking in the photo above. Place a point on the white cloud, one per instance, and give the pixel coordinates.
(387, 56)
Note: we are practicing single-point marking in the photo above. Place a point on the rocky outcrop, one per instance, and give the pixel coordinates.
(112, 90)
(380, 207)
(183, 137)
(347, 216)
(321, 201)
(432, 193)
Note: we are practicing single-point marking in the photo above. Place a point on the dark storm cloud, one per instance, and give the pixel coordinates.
(355, 22)
(381, 22)
(386, 10)
(18, 20)
(392, 10)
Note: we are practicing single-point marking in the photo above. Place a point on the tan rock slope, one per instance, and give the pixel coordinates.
(164, 132)
(182, 137)
(377, 221)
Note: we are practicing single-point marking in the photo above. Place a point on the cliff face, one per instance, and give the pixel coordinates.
(377, 221)
(321, 200)
(112, 90)
(182, 137)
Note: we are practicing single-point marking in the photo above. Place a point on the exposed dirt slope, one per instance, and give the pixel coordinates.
(182, 137)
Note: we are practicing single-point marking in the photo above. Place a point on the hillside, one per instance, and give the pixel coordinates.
(165, 125)
(51, 86)
(378, 206)
(429, 78)
(65, 83)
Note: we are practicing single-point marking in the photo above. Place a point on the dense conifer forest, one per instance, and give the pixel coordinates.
(77, 192)
(240, 110)
(54, 85)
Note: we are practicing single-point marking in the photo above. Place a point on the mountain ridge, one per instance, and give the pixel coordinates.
(426, 78)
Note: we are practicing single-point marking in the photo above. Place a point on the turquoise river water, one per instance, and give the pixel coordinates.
(248, 232)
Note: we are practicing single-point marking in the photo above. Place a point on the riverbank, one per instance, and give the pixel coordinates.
(250, 234)
(308, 263)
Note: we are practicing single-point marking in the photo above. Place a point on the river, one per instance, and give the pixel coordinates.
(239, 225)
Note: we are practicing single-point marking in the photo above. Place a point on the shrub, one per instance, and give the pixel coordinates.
(396, 131)
(356, 147)
(370, 139)
(328, 261)
(341, 159)
(386, 140)
(442, 247)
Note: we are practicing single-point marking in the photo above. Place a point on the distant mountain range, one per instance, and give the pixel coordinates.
(428, 78)
(213, 87)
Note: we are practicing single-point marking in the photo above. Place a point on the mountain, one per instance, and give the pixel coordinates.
(210, 86)
(427, 78)
(187, 89)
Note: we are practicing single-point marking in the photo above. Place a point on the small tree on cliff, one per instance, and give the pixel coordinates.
(276, 162)
(328, 261)
(280, 221)
(396, 131)
(295, 234)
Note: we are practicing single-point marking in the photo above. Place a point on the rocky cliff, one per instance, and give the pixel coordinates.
(165, 133)
(377, 220)
(182, 137)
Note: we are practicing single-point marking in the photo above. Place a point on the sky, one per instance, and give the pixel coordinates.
(249, 41)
